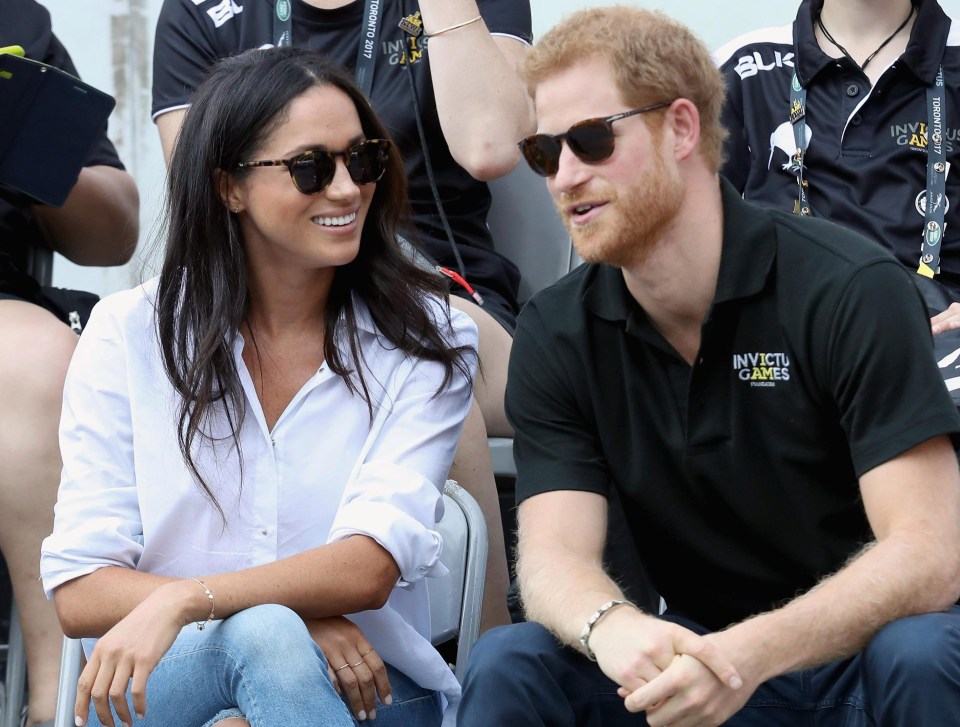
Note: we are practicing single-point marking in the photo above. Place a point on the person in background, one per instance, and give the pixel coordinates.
(760, 390)
(97, 225)
(851, 114)
(442, 76)
(255, 443)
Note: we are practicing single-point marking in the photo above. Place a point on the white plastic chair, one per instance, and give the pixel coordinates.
(455, 601)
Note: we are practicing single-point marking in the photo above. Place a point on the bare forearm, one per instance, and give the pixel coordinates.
(99, 222)
(92, 604)
(484, 108)
(889, 580)
(562, 591)
(348, 576)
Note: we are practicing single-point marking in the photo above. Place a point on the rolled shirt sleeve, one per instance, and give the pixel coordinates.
(97, 515)
(394, 494)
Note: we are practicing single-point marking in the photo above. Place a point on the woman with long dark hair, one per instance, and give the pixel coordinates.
(256, 441)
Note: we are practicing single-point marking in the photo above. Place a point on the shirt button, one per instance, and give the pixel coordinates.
(853, 89)
(856, 120)
(263, 532)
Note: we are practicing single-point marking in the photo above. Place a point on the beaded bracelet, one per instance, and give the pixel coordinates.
(201, 625)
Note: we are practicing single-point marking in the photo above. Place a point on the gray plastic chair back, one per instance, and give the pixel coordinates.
(527, 229)
(456, 600)
(14, 686)
(71, 658)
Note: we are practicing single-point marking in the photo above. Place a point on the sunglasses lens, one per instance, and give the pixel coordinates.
(368, 161)
(542, 153)
(591, 141)
(312, 172)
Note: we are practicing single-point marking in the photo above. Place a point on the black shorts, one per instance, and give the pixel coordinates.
(493, 303)
(70, 306)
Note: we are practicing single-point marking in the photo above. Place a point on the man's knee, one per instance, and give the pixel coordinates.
(515, 664)
(916, 648)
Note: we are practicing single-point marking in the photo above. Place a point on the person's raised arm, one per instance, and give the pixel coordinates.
(168, 126)
(484, 109)
(98, 224)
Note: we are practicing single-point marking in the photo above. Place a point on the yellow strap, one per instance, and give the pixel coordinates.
(16, 50)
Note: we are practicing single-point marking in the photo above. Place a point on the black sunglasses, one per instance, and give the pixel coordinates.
(313, 170)
(591, 140)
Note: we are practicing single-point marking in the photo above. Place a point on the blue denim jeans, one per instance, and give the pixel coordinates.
(262, 664)
(908, 676)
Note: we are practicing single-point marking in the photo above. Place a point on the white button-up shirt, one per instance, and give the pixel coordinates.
(326, 471)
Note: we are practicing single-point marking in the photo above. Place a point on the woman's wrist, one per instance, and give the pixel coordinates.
(188, 600)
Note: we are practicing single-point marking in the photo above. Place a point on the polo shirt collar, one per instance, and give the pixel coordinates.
(923, 55)
(928, 38)
(749, 247)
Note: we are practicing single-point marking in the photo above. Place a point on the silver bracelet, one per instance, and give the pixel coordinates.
(592, 621)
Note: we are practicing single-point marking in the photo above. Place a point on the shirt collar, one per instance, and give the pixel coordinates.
(364, 323)
(923, 55)
(749, 248)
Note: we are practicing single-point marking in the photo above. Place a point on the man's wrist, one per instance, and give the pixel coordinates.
(592, 621)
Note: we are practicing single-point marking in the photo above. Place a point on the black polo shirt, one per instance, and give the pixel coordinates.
(866, 159)
(738, 475)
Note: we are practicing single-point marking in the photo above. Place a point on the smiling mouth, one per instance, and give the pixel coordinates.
(335, 221)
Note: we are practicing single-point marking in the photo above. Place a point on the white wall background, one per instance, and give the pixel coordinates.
(111, 43)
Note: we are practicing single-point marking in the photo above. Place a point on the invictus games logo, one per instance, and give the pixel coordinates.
(762, 369)
(914, 135)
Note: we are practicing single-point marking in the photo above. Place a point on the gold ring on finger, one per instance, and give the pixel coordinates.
(341, 667)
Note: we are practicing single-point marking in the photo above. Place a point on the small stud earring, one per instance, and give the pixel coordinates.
(236, 210)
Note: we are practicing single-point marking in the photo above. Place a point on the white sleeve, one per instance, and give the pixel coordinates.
(97, 516)
(395, 494)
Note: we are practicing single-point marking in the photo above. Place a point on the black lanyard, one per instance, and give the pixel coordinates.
(366, 52)
(936, 203)
(933, 223)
